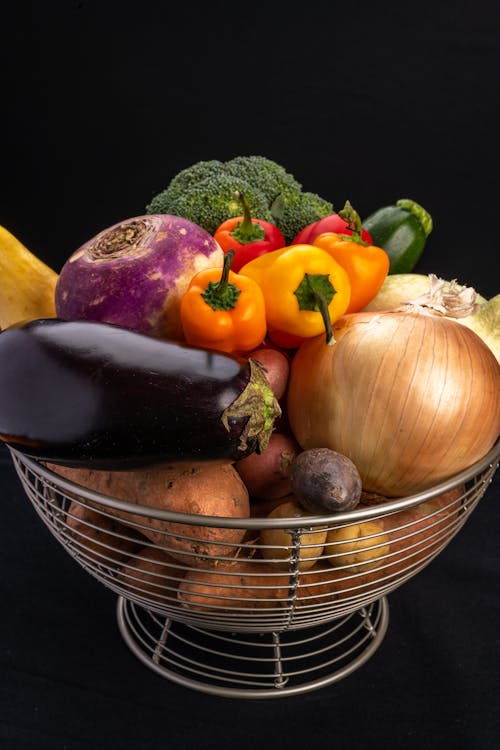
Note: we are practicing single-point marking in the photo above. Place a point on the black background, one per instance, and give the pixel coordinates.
(101, 104)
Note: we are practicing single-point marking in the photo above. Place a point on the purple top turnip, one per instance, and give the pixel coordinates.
(134, 274)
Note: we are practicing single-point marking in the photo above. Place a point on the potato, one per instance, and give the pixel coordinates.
(417, 533)
(413, 536)
(152, 574)
(277, 368)
(198, 489)
(266, 474)
(107, 540)
(354, 545)
(278, 542)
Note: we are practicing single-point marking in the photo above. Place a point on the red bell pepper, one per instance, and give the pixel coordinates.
(248, 237)
(332, 223)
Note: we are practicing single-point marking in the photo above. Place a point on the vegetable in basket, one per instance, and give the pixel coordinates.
(247, 237)
(332, 223)
(223, 311)
(402, 230)
(27, 284)
(411, 397)
(134, 273)
(94, 394)
(204, 193)
(198, 489)
(304, 289)
(366, 264)
(400, 288)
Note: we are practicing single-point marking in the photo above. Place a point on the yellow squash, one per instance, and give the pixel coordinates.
(27, 284)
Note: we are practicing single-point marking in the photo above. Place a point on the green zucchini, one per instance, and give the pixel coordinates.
(402, 231)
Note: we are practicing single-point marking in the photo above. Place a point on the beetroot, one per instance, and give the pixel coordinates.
(134, 273)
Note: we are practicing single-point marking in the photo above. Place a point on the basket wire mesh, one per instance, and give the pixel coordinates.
(253, 618)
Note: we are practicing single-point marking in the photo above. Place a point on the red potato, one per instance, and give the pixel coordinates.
(265, 475)
(277, 367)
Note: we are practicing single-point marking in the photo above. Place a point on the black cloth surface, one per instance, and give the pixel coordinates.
(103, 103)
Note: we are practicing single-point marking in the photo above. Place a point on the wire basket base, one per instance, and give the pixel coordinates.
(267, 665)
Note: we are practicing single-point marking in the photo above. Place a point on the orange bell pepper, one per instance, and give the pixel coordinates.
(225, 312)
(367, 265)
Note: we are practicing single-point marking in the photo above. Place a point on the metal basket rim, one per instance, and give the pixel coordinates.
(354, 516)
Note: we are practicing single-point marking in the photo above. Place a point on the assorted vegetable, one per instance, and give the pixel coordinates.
(484, 318)
(246, 237)
(93, 394)
(409, 396)
(27, 284)
(243, 350)
(134, 274)
(402, 230)
(223, 311)
(304, 289)
(200, 490)
(367, 266)
(324, 481)
(332, 223)
(205, 194)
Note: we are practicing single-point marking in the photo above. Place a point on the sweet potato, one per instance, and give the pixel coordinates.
(238, 584)
(106, 540)
(198, 489)
(254, 584)
(152, 574)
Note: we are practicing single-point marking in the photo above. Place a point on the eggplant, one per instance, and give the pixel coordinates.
(92, 394)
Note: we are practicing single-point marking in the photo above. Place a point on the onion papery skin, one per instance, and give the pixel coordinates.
(410, 397)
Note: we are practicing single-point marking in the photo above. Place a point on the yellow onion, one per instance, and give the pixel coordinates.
(410, 397)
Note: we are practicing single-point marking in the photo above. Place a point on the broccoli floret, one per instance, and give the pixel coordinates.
(213, 200)
(263, 173)
(293, 212)
(183, 180)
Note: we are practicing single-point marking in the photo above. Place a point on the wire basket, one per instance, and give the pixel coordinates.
(287, 606)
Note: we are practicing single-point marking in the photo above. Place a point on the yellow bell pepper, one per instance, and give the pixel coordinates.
(305, 289)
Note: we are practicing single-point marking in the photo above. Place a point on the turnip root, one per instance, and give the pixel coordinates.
(134, 273)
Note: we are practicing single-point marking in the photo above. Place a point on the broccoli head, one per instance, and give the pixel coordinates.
(183, 180)
(213, 200)
(293, 212)
(205, 194)
(269, 177)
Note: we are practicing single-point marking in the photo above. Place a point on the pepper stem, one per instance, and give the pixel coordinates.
(247, 231)
(221, 295)
(353, 220)
(315, 292)
(325, 314)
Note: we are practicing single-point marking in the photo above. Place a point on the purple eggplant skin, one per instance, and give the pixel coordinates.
(91, 394)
